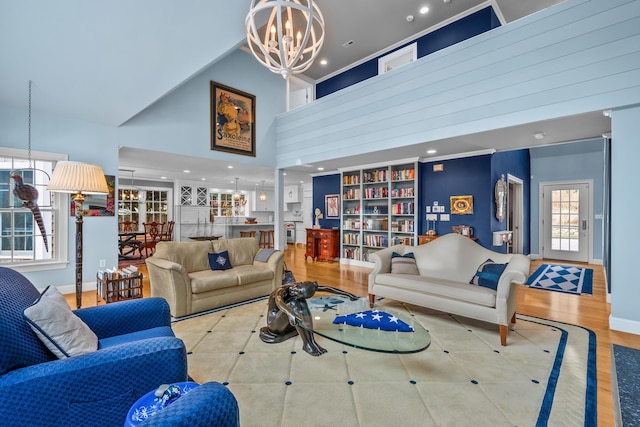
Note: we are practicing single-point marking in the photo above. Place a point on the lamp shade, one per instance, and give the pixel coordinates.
(78, 177)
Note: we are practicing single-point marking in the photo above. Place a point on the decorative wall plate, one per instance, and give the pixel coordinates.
(461, 205)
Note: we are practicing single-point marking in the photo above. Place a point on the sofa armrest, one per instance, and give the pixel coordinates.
(275, 263)
(92, 389)
(169, 280)
(126, 316)
(515, 274)
(210, 404)
(382, 263)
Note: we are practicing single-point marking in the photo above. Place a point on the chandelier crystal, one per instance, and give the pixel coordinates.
(285, 35)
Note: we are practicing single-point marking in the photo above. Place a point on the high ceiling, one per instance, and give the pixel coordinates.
(106, 62)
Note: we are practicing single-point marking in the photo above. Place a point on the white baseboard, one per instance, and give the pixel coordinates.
(71, 289)
(624, 325)
(535, 256)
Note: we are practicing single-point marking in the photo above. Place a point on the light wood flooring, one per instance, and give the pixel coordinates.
(589, 311)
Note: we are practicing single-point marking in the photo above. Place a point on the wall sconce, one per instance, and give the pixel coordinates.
(500, 237)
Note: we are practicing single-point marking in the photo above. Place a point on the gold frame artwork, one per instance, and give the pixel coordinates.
(461, 205)
(233, 120)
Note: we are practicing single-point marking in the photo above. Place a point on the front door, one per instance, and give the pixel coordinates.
(566, 224)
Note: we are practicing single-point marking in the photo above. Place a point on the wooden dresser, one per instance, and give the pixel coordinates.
(322, 244)
(423, 238)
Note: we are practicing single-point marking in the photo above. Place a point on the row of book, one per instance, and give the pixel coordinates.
(402, 192)
(376, 193)
(376, 240)
(351, 194)
(375, 176)
(115, 273)
(403, 226)
(351, 253)
(403, 174)
(351, 239)
(351, 179)
(403, 208)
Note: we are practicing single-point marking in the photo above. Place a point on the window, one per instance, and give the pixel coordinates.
(398, 58)
(153, 207)
(22, 241)
(157, 206)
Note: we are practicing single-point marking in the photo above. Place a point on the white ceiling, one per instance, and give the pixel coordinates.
(105, 62)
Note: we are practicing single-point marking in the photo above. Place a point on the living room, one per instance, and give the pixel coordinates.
(182, 116)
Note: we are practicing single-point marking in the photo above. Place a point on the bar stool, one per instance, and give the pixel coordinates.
(266, 239)
(248, 234)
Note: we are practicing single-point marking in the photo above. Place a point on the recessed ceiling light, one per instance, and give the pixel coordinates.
(432, 151)
(163, 177)
(284, 173)
(301, 182)
(323, 62)
(424, 9)
(229, 167)
(203, 179)
(447, 1)
(539, 135)
(186, 171)
(320, 168)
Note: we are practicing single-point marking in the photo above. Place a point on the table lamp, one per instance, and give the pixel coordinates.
(79, 179)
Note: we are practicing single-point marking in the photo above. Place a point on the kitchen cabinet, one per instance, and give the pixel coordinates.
(292, 194)
(267, 205)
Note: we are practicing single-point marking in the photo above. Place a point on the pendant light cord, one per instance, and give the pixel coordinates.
(29, 134)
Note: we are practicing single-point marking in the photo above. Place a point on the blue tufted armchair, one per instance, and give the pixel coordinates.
(137, 352)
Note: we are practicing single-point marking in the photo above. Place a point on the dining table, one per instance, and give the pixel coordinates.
(128, 244)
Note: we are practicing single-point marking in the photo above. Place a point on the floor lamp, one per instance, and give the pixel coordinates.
(79, 179)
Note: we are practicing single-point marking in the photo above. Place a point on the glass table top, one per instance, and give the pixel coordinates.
(355, 324)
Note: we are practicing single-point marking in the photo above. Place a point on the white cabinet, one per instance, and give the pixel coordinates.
(267, 205)
(292, 194)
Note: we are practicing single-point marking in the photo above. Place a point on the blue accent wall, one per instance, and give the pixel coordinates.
(465, 28)
(469, 176)
(516, 163)
(323, 185)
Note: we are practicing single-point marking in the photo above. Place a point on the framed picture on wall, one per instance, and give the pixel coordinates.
(99, 204)
(332, 206)
(233, 115)
(461, 205)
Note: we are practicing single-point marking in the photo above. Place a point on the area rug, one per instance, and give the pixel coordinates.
(544, 376)
(562, 278)
(626, 384)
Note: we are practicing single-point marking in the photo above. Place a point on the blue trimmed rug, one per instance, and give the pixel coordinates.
(545, 376)
(562, 278)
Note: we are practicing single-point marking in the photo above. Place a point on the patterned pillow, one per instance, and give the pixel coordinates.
(58, 327)
(488, 275)
(219, 261)
(403, 264)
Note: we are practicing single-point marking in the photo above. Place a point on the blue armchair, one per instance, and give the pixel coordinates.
(137, 352)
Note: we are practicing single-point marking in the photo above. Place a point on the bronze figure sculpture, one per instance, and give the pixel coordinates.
(288, 311)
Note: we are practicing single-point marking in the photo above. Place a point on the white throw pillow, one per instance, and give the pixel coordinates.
(64, 333)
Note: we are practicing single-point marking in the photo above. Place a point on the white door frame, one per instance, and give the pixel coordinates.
(589, 183)
(518, 209)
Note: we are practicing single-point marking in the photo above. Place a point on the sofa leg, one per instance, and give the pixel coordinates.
(513, 318)
(372, 298)
(503, 334)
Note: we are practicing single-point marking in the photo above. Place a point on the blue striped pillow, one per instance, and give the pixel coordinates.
(488, 274)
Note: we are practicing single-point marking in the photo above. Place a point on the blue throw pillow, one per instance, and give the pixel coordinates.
(219, 261)
(488, 275)
(403, 264)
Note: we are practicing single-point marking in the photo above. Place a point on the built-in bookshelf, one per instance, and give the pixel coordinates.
(378, 210)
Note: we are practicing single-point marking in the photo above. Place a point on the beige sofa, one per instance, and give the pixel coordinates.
(180, 273)
(446, 266)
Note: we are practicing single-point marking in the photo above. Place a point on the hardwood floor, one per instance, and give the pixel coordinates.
(589, 311)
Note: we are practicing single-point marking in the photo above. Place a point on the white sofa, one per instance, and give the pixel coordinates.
(446, 266)
(180, 273)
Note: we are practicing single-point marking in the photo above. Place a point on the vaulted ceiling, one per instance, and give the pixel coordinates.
(105, 62)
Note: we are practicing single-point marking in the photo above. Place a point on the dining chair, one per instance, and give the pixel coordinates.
(167, 231)
(128, 244)
(152, 235)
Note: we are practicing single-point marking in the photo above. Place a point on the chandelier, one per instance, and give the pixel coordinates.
(290, 35)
